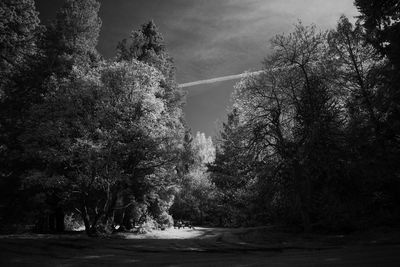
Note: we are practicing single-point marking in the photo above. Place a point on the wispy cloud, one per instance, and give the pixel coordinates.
(219, 79)
(225, 37)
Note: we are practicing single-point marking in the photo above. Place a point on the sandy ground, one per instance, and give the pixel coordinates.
(203, 247)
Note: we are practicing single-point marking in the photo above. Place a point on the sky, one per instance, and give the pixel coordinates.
(209, 39)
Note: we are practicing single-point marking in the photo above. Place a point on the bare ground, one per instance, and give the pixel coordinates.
(203, 247)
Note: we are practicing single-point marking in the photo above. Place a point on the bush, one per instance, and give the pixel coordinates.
(73, 222)
(165, 220)
(147, 226)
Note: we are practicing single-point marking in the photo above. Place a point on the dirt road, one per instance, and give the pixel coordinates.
(201, 247)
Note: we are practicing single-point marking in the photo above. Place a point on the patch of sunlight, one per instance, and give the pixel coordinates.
(80, 228)
(172, 233)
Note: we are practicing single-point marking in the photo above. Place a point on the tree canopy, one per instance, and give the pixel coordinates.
(311, 141)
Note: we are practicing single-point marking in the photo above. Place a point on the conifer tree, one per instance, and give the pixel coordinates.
(72, 38)
(147, 45)
(19, 31)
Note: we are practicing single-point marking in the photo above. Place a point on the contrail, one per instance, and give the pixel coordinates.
(219, 79)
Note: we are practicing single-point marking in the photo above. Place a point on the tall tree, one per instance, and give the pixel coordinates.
(19, 31)
(147, 45)
(69, 41)
(100, 135)
(381, 19)
(232, 172)
(358, 68)
(292, 122)
(72, 38)
(195, 195)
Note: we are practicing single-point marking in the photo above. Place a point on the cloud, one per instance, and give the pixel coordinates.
(219, 79)
(225, 37)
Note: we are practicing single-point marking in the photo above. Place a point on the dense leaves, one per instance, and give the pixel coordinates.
(72, 37)
(196, 194)
(311, 141)
(99, 139)
(381, 20)
(311, 132)
(19, 31)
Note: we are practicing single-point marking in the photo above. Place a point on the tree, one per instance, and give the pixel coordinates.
(98, 135)
(147, 45)
(83, 135)
(358, 69)
(381, 20)
(195, 196)
(19, 31)
(233, 173)
(291, 118)
(69, 42)
(72, 38)
(203, 149)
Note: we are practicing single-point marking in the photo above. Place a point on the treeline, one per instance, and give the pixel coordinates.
(97, 141)
(314, 139)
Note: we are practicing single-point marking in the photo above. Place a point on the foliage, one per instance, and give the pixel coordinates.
(98, 138)
(97, 133)
(232, 173)
(297, 145)
(147, 45)
(194, 200)
(19, 31)
(381, 19)
(72, 37)
(381, 23)
(312, 140)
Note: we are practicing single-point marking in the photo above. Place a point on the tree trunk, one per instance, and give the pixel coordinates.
(59, 219)
(90, 228)
(306, 204)
(306, 220)
(126, 219)
(86, 222)
(201, 215)
(52, 222)
(303, 189)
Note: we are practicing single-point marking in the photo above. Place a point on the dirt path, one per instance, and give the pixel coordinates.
(200, 247)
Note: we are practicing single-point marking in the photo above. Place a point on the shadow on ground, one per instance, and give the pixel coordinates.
(203, 247)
